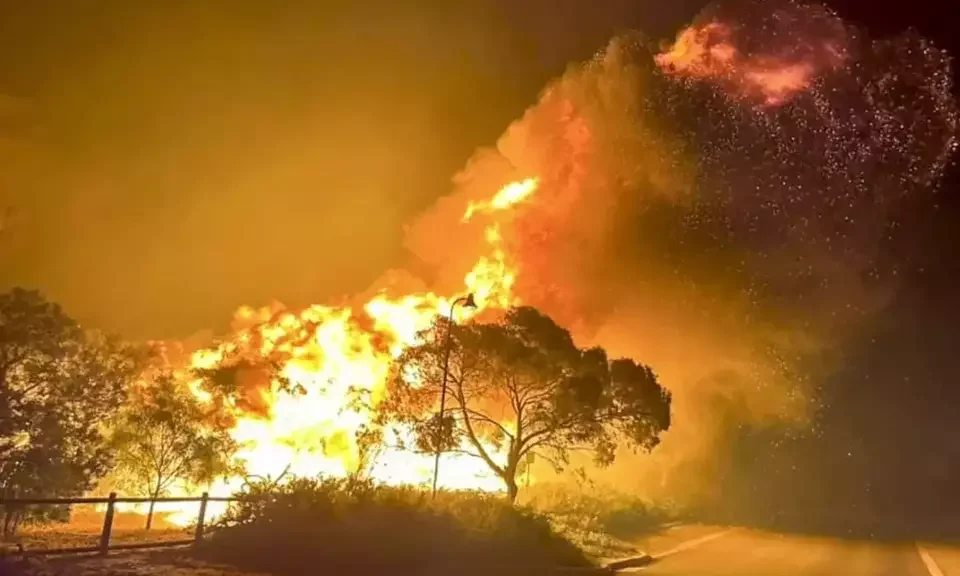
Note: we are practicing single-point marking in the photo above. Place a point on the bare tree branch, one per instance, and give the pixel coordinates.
(487, 420)
(472, 436)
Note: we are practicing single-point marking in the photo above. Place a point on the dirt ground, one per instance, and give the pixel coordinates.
(84, 530)
(147, 563)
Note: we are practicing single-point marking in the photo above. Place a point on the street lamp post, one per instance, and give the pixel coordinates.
(468, 302)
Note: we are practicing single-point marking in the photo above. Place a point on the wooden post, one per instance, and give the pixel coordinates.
(107, 525)
(198, 536)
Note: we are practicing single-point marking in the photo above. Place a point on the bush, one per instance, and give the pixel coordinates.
(621, 515)
(603, 524)
(307, 526)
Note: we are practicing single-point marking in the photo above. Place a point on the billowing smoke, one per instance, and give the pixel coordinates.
(768, 53)
(719, 211)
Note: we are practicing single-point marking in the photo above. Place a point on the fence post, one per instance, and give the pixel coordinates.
(107, 525)
(198, 536)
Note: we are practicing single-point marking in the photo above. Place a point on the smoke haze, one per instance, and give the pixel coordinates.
(722, 225)
(724, 208)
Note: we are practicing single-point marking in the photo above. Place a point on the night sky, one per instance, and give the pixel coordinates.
(145, 145)
(888, 451)
(165, 163)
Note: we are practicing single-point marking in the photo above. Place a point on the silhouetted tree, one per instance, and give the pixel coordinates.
(58, 385)
(164, 435)
(520, 385)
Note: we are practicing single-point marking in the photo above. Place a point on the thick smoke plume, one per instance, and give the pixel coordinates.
(768, 53)
(718, 211)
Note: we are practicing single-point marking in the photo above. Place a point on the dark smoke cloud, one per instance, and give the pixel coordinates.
(729, 241)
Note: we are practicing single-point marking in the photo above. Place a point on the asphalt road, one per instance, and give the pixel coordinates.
(715, 551)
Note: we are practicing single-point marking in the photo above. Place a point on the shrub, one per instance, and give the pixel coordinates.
(619, 514)
(307, 526)
(604, 524)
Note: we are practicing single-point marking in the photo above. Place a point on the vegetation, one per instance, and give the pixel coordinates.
(84, 528)
(163, 436)
(58, 384)
(603, 523)
(522, 384)
(75, 405)
(352, 525)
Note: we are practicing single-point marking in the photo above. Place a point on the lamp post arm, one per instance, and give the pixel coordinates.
(447, 345)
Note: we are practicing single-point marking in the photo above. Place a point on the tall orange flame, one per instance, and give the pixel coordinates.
(338, 359)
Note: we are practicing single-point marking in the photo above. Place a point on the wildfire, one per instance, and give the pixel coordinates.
(335, 362)
(509, 195)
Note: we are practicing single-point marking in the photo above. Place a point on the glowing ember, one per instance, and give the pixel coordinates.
(714, 49)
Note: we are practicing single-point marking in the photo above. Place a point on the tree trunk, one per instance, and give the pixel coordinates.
(510, 476)
(153, 501)
(17, 517)
(512, 489)
(11, 520)
(150, 514)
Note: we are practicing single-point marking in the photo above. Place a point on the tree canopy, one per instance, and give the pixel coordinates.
(59, 384)
(520, 386)
(164, 435)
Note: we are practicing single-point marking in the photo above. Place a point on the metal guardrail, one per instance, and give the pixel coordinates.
(104, 547)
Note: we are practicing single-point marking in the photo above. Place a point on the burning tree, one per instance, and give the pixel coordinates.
(520, 386)
(58, 384)
(164, 436)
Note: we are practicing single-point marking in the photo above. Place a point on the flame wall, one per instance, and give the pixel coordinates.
(717, 211)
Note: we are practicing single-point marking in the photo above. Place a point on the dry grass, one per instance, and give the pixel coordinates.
(603, 524)
(84, 528)
(142, 563)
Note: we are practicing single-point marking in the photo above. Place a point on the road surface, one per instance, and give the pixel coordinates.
(716, 551)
